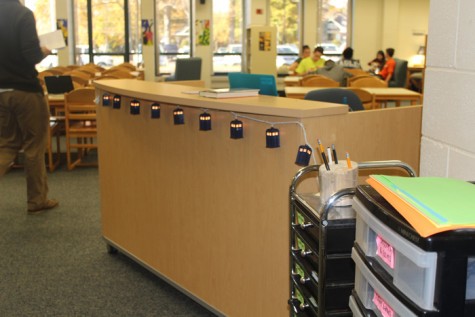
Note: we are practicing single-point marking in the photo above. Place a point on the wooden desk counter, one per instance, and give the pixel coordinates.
(379, 94)
(208, 213)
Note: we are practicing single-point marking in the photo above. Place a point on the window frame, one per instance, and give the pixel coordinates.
(156, 35)
(90, 31)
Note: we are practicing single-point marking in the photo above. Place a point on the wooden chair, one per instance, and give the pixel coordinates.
(90, 72)
(62, 69)
(318, 81)
(73, 67)
(79, 81)
(118, 73)
(55, 72)
(356, 71)
(127, 65)
(106, 77)
(367, 81)
(366, 98)
(80, 126)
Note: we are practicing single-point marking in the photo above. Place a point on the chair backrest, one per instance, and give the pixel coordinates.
(400, 74)
(188, 68)
(80, 96)
(264, 82)
(78, 73)
(127, 65)
(356, 77)
(336, 95)
(368, 81)
(120, 73)
(318, 81)
(365, 97)
(80, 81)
(356, 71)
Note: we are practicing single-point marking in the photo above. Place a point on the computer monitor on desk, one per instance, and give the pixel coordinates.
(265, 83)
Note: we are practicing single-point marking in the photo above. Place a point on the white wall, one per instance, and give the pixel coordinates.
(448, 137)
(378, 25)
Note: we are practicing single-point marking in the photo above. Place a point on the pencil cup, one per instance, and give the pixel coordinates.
(339, 177)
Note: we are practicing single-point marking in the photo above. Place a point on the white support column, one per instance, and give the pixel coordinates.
(148, 51)
(62, 13)
(204, 12)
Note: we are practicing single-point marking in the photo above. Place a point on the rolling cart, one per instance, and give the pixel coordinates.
(322, 272)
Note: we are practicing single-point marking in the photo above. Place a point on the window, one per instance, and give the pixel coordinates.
(227, 36)
(173, 33)
(284, 15)
(44, 11)
(334, 20)
(101, 33)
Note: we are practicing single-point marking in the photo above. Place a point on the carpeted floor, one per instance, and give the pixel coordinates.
(56, 263)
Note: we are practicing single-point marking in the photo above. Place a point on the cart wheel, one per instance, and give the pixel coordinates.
(111, 249)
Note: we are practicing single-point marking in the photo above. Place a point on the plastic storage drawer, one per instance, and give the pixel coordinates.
(433, 276)
(413, 270)
(340, 227)
(355, 310)
(374, 296)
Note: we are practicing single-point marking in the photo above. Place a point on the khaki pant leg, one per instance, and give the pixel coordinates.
(32, 116)
(10, 136)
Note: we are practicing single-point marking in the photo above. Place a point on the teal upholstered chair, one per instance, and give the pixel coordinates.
(400, 74)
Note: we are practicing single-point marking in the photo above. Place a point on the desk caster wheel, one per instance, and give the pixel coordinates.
(111, 249)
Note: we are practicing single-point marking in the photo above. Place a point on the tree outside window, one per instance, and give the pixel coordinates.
(227, 36)
(284, 15)
(173, 23)
(112, 41)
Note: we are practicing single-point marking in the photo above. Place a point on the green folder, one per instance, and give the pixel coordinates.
(444, 201)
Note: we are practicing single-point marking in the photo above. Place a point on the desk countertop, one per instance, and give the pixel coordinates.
(265, 105)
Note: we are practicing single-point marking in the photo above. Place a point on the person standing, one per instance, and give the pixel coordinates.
(388, 69)
(311, 63)
(24, 115)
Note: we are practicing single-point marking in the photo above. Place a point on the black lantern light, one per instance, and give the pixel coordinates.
(236, 128)
(178, 116)
(106, 99)
(155, 110)
(272, 138)
(116, 102)
(303, 155)
(205, 121)
(135, 107)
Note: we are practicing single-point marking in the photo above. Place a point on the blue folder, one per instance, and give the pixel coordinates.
(264, 82)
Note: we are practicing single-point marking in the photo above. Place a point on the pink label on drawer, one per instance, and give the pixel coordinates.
(385, 251)
(382, 306)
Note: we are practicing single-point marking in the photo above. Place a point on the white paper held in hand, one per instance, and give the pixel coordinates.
(52, 40)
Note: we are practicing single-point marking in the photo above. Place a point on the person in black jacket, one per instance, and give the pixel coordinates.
(24, 115)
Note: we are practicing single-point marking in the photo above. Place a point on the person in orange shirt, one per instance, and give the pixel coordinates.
(388, 70)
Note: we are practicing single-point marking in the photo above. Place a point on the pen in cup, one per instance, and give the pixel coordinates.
(334, 154)
(348, 161)
(324, 157)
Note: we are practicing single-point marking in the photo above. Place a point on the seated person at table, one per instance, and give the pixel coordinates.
(334, 71)
(347, 60)
(304, 54)
(378, 63)
(388, 70)
(311, 63)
